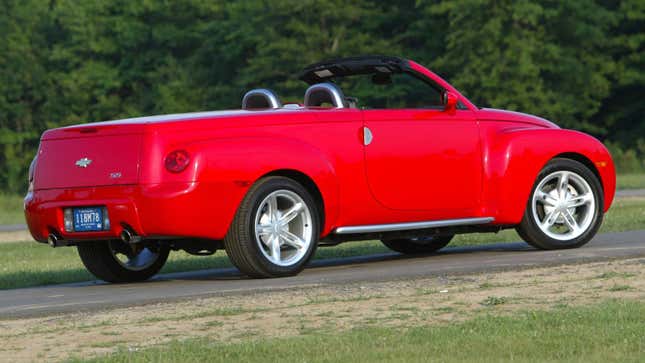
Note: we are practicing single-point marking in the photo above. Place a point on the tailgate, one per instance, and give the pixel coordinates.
(94, 160)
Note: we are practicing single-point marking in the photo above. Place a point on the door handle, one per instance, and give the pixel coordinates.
(367, 136)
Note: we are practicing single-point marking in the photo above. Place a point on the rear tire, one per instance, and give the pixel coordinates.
(565, 208)
(115, 261)
(275, 230)
(417, 246)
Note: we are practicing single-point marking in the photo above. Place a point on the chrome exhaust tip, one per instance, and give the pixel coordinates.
(128, 237)
(52, 240)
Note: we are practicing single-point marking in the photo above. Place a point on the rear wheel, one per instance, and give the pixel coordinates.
(565, 208)
(421, 245)
(116, 261)
(275, 231)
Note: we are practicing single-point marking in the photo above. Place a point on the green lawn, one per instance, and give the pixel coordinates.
(630, 181)
(611, 331)
(25, 264)
(11, 210)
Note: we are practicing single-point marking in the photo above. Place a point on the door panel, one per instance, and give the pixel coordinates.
(424, 160)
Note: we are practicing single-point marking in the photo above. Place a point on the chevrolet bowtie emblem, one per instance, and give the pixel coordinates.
(83, 163)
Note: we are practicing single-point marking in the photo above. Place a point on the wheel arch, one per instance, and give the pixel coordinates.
(582, 159)
(513, 161)
(308, 183)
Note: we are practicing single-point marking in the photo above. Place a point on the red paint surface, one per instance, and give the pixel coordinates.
(421, 165)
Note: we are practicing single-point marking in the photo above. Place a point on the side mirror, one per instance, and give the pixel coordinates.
(449, 101)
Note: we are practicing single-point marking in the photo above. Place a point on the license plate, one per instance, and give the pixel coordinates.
(88, 219)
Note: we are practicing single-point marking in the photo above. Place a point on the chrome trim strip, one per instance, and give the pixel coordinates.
(412, 225)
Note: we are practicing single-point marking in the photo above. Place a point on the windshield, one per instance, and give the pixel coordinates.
(389, 90)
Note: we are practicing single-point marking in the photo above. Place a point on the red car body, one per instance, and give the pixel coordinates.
(421, 165)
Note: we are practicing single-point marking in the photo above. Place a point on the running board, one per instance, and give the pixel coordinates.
(372, 228)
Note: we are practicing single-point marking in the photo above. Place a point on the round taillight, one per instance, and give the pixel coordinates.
(176, 161)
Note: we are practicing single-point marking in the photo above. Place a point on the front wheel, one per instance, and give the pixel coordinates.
(415, 246)
(275, 230)
(565, 208)
(116, 261)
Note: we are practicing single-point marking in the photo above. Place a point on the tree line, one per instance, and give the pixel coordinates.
(579, 63)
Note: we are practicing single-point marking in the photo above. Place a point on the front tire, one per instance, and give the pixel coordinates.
(116, 261)
(565, 208)
(275, 231)
(417, 246)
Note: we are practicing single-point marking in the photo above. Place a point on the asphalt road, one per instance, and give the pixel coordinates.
(13, 227)
(626, 193)
(382, 267)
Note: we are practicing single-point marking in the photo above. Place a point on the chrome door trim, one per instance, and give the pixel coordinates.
(412, 225)
(367, 136)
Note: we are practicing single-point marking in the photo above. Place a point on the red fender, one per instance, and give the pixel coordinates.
(513, 157)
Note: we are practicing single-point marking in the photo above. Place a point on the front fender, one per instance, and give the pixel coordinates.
(240, 162)
(513, 158)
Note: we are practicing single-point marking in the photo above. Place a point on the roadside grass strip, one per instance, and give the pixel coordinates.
(11, 209)
(583, 312)
(24, 264)
(630, 181)
(608, 331)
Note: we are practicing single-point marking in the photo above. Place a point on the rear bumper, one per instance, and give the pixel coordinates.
(182, 210)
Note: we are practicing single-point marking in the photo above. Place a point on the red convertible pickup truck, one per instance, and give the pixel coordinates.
(411, 163)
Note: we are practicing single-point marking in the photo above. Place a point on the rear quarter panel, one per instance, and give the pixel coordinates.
(228, 156)
(513, 155)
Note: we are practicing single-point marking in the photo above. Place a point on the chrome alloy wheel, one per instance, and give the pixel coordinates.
(283, 227)
(130, 259)
(563, 205)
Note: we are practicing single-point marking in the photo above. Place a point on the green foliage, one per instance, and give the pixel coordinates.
(628, 160)
(579, 63)
(544, 58)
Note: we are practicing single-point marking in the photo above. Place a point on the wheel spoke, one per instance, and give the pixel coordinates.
(546, 198)
(274, 243)
(550, 219)
(273, 212)
(563, 184)
(283, 227)
(292, 240)
(264, 229)
(291, 214)
(570, 221)
(563, 204)
(580, 200)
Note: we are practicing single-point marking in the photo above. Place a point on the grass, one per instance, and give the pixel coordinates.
(494, 300)
(609, 331)
(630, 181)
(11, 209)
(24, 264)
